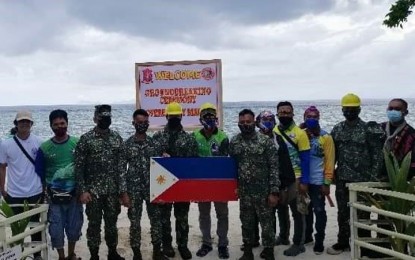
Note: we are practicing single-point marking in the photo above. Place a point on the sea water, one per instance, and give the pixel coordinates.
(81, 116)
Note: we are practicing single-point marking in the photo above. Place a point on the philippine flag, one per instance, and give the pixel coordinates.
(175, 179)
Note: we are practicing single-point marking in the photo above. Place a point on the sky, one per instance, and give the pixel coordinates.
(84, 52)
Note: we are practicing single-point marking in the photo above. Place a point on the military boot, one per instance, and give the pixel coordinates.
(158, 254)
(137, 254)
(94, 253)
(268, 253)
(168, 250)
(113, 255)
(248, 255)
(185, 252)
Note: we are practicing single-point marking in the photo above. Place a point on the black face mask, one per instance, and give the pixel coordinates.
(351, 115)
(141, 128)
(61, 131)
(174, 122)
(104, 122)
(247, 129)
(285, 120)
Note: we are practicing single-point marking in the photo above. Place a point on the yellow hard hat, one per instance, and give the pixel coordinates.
(207, 108)
(173, 108)
(207, 105)
(350, 100)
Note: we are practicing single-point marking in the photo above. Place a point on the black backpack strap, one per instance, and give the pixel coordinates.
(23, 150)
(288, 138)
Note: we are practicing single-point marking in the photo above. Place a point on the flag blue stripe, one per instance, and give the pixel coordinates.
(200, 167)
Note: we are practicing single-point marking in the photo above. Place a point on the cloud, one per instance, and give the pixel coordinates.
(67, 52)
(187, 21)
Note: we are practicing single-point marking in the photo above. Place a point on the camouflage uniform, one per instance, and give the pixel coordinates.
(98, 170)
(257, 178)
(176, 144)
(359, 158)
(136, 182)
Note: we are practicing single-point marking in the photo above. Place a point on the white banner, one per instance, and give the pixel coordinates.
(189, 83)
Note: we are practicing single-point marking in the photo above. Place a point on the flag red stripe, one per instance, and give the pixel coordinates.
(200, 190)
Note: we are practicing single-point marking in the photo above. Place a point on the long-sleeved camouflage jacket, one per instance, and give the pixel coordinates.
(359, 153)
(176, 143)
(136, 155)
(257, 161)
(97, 162)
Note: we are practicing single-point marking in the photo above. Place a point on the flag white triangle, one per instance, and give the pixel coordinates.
(160, 179)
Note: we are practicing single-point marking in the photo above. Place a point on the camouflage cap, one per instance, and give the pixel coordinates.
(103, 110)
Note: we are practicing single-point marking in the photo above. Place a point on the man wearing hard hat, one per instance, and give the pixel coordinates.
(176, 143)
(359, 158)
(212, 142)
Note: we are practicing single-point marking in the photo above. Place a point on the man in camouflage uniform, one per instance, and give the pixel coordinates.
(175, 142)
(258, 183)
(135, 184)
(359, 158)
(98, 170)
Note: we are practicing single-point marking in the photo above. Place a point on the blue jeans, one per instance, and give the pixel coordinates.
(65, 218)
(317, 206)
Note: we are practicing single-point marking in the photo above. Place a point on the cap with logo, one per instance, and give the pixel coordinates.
(103, 110)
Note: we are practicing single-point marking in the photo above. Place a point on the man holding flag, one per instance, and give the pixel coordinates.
(212, 142)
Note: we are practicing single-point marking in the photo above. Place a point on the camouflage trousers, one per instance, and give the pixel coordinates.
(181, 213)
(134, 214)
(251, 207)
(107, 206)
(343, 214)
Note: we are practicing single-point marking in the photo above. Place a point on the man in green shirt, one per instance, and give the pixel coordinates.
(212, 142)
(54, 162)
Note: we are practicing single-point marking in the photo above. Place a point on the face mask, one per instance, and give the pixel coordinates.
(174, 122)
(394, 116)
(247, 129)
(141, 128)
(351, 115)
(311, 123)
(104, 122)
(285, 120)
(268, 125)
(209, 124)
(61, 131)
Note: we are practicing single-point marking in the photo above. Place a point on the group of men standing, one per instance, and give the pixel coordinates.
(283, 166)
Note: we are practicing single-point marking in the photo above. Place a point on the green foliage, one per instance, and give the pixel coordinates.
(398, 13)
(19, 226)
(398, 179)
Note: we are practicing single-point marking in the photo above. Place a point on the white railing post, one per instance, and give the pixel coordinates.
(3, 237)
(44, 220)
(355, 252)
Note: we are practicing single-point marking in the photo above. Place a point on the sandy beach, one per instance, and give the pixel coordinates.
(235, 239)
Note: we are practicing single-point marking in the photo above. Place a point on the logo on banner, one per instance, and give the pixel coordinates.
(208, 73)
(147, 76)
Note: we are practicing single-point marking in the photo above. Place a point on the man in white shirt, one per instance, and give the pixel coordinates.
(23, 184)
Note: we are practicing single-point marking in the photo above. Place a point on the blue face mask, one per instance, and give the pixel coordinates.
(268, 125)
(394, 116)
(209, 123)
(311, 123)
